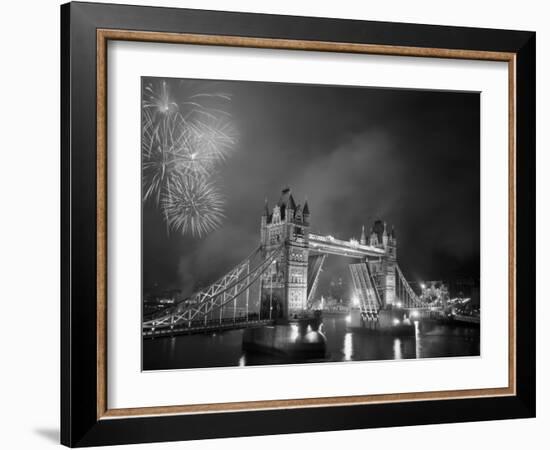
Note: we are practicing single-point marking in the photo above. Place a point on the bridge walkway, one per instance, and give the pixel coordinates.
(211, 326)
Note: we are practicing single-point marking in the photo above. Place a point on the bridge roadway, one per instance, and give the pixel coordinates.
(199, 326)
(215, 325)
(351, 248)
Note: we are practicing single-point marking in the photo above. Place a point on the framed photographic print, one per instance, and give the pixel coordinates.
(276, 224)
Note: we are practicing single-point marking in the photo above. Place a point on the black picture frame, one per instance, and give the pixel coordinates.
(80, 425)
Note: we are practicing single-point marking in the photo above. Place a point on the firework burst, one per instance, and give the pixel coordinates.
(176, 147)
(182, 146)
(214, 135)
(193, 205)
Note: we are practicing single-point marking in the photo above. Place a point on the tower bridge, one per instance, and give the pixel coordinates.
(278, 280)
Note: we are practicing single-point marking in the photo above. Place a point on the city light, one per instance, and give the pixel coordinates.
(422, 285)
(415, 314)
(399, 304)
(348, 319)
(396, 321)
(355, 300)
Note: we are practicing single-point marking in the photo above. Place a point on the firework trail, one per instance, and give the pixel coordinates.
(159, 153)
(158, 100)
(193, 204)
(181, 148)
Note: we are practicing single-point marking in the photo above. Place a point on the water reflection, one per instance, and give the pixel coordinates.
(294, 332)
(172, 344)
(417, 339)
(225, 348)
(348, 347)
(397, 349)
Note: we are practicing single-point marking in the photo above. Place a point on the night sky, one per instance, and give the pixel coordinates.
(408, 157)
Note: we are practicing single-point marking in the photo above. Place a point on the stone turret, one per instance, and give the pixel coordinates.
(290, 208)
(373, 239)
(363, 240)
(305, 213)
(264, 219)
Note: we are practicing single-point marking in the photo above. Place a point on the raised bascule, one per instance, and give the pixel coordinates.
(278, 280)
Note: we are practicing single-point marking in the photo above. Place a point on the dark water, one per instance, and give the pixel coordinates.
(224, 349)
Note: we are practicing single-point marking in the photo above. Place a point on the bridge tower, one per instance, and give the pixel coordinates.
(384, 268)
(284, 286)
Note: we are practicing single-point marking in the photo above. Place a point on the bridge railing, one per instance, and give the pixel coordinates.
(199, 326)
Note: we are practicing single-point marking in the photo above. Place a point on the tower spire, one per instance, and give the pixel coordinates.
(306, 208)
(363, 237)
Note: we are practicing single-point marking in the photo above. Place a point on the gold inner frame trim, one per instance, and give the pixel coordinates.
(104, 35)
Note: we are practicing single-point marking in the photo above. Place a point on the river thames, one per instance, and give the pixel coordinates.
(224, 349)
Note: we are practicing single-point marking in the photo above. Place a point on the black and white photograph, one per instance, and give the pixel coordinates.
(275, 225)
(294, 223)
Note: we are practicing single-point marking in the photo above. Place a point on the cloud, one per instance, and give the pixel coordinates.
(408, 157)
(356, 181)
